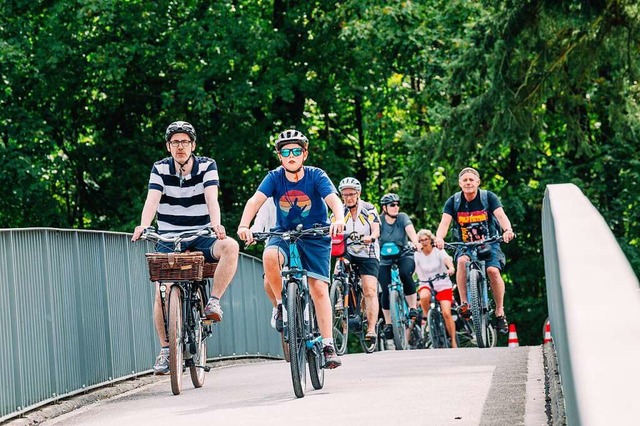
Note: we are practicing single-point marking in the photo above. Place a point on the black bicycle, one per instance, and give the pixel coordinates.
(348, 303)
(435, 320)
(478, 289)
(184, 290)
(301, 331)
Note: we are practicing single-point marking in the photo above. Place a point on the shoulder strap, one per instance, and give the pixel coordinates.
(457, 200)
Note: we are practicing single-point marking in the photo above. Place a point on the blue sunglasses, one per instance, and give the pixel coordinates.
(285, 152)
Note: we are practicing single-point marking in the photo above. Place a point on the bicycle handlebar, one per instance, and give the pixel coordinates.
(293, 234)
(151, 234)
(435, 277)
(457, 245)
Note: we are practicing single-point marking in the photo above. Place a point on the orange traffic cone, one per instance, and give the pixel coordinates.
(547, 332)
(513, 336)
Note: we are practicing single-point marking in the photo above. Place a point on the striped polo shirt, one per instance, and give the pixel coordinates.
(182, 205)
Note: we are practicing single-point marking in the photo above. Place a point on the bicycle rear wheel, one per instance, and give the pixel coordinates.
(176, 342)
(398, 321)
(297, 349)
(479, 317)
(314, 355)
(200, 357)
(340, 316)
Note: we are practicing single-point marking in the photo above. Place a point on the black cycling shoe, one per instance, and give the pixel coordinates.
(502, 325)
(464, 311)
(388, 331)
(279, 321)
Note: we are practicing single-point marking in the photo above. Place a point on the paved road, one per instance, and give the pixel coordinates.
(500, 386)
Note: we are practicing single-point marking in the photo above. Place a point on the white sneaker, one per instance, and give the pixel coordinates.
(389, 345)
(274, 314)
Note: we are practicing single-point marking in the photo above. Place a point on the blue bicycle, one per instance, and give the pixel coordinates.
(301, 331)
(401, 323)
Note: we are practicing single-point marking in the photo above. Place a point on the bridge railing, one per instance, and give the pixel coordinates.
(594, 303)
(76, 313)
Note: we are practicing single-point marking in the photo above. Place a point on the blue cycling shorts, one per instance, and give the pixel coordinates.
(497, 260)
(315, 254)
(203, 244)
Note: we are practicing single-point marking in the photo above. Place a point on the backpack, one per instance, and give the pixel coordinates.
(494, 225)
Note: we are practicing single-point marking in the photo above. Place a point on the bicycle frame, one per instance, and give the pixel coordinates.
(401, 309)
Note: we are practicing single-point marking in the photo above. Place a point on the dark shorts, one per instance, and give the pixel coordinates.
(366, 265)
(203, 244)
(315, 255)
(497, 260)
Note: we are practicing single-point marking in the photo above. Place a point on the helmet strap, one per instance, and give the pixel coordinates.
(181, 168)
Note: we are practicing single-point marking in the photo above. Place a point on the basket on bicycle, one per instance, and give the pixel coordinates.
(209, 269)
(175, 266)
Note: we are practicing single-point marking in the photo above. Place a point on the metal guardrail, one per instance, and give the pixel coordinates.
(76, 313)
(594, 301)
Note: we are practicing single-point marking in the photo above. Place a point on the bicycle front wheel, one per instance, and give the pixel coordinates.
(437, 330)
(176, 342)
(314, 355)
(200, 357)
(340, 316)
(297, 349)
(478, 315)
(398, 321)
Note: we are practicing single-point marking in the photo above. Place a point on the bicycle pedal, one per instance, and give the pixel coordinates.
(207, 321)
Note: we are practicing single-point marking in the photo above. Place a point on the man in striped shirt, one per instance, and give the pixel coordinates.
(183, 192)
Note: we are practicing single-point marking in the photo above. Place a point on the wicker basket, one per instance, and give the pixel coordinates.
(175, 266)
(209, 269)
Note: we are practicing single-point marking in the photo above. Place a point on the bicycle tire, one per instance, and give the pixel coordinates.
(397, 321)
(477, 314)
(176, 343)
(371, 347)
(200, 357)
(340, 317)
(492, 335)
(314, 355)
(437, 331)
(297, 349)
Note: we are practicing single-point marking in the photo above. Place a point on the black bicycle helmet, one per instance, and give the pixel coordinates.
(389, 198)
(291, 136)
(180, 127)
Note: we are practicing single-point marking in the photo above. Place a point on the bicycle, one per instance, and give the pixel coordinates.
(301, 331)
(435, 321)
(400, 321)
(183, 304)
(477, 288)
(347, 302)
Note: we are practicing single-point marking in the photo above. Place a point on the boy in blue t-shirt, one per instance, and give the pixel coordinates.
(301, 195)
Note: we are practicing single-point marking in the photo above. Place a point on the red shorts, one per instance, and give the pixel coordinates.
(441, 295)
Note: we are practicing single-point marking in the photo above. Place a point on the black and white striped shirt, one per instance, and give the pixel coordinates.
(182, 205)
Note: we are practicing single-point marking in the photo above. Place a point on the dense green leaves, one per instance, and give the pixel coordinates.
(400, 94)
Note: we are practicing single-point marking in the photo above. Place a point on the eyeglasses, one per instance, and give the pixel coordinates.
(394, 205)
(351, 194)
(424, 240)
(285, 152)
(185, 143)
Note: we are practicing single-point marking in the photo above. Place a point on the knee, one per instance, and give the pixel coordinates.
(229, 247)
(494, 274)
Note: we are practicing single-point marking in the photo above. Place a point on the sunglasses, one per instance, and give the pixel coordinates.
(394, 205)
(285, 152)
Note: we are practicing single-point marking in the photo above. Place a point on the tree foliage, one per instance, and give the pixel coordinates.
(400, 94)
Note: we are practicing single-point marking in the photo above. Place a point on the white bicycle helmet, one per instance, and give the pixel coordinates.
(350, 182)
(291, 136)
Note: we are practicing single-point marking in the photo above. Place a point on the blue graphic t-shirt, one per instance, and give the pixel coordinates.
(299, 202)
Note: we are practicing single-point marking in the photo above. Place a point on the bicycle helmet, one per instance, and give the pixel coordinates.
(389, 198)
(291, 136)
(180, 127)
(350, 182)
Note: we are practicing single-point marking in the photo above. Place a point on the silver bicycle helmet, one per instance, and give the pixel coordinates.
(350, 182)
(180, 127)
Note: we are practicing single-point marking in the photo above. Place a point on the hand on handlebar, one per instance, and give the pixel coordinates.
(508, 235)
(245, 235)
(137, 232)
(336, 228)
(439, 242)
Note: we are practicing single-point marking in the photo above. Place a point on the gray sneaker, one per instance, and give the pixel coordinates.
(162, 362)
(213, 311)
